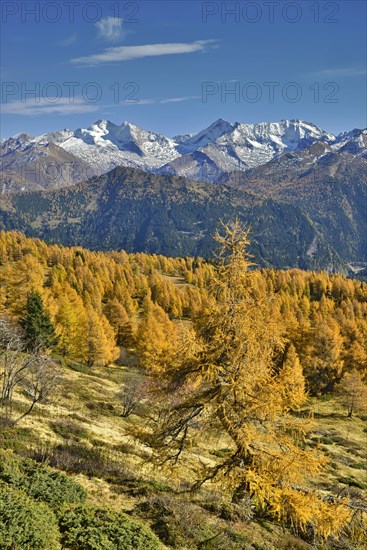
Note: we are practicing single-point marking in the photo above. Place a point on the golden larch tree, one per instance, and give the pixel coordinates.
(352, 393)
(229, 376)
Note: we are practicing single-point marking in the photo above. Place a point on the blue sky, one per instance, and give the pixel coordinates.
(170, 66)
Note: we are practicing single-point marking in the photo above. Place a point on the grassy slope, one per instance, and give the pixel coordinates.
(86, 415)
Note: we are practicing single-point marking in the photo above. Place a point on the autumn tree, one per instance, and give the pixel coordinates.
(292, 381)
(352, 393)
(324, 361)
(100, 340)
(71, 323)
(19, 279)
(324, 316)
(228, 377)
(123, 325)
(157, 337)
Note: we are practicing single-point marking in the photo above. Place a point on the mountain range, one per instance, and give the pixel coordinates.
(302, 191)
(58, 159)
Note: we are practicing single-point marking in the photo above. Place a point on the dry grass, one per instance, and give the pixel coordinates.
(86, 412)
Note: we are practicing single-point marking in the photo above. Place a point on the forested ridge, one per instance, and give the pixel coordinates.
(135, 211)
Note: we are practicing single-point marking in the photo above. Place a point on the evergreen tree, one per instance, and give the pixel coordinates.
(39, 332)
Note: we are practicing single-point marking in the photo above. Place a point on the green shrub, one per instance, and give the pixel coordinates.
(78, 367)
(10, 470)
(221, 453)
(26, 524)
(55, 488)
(16, 438)
(351, 482)
(87, 528)
(39, 481)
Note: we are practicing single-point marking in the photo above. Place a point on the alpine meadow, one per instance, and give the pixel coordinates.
(183, 281)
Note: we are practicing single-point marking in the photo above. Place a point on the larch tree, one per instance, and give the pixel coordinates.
(19, 280)
(292, 381)
(323, 363)
(100, 340)
(157, 337)
(123, 325)
(71, 323)
(228, 377)
(352, 393)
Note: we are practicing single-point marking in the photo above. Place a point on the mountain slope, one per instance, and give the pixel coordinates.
(330, 187)
(105, 145)
(137, 211)
(241, 146)
(28, 163)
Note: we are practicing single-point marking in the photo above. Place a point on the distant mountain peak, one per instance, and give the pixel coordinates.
(221, 123)
(207, 136)
(206, 155)
(21, 137)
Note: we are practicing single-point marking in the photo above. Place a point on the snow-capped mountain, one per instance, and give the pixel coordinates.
(353, 142)
(28, 163)
(208, 136)
(226, 147)
(105, 145)
(221, 148)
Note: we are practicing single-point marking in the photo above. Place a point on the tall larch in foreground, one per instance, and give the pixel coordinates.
(233, 375)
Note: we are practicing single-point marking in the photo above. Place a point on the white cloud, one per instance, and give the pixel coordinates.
(139, 102)
(110, 28)
(340, 71)
(45, 107)
(179, 99)
(68, 41)
(65, 106)
(147, 101)
(125, 53)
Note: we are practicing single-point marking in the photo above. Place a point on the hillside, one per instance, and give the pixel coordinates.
(28, 164)
(170, 215)
(83, 434)
(115, 315)
(330, 188)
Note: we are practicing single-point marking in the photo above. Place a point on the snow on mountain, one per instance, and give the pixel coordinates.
(19, 151)
(105, 145)
(206, 137)
(180, 139)
(353, 142)
(242, 146)
(29, 163)
(221, 148)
